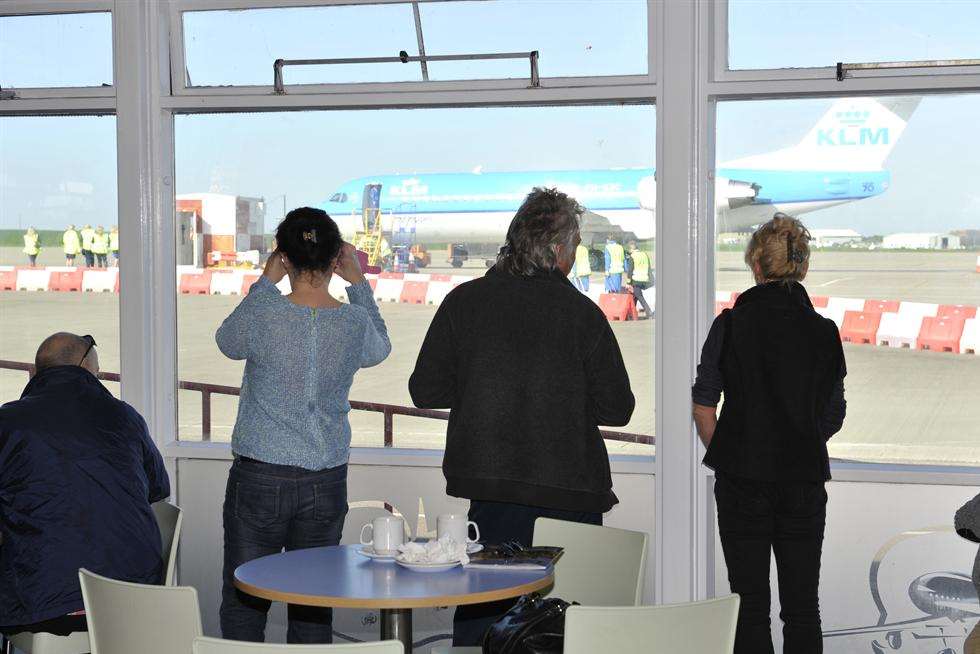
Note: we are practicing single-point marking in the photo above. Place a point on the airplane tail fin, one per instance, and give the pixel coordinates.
(858, 132)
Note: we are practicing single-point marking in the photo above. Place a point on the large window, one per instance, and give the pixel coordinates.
(56, 173)
(449, 177)
(582, 38)
(56, 50)
(814, 33)
(885, 186)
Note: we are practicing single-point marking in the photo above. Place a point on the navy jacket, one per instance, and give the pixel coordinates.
(78, 472)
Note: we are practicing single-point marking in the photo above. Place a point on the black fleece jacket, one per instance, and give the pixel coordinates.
(529, 368)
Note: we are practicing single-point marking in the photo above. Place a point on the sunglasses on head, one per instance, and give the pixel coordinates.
(91, 344)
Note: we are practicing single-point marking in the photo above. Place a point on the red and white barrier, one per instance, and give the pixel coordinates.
(970, 342)
(33, 279)
(898, 330)
(101, 281)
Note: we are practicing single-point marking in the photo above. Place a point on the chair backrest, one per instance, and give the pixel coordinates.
(169, 519)
(601, 566)
(697, 627)
(205, 645)
(124, 618)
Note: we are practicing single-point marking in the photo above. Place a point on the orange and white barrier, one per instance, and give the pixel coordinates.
(970, 342)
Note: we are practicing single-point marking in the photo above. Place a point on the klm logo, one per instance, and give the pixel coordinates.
(845, 136)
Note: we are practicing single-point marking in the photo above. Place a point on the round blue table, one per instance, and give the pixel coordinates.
(339, 577)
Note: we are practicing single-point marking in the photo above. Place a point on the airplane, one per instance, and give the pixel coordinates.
(840, 160)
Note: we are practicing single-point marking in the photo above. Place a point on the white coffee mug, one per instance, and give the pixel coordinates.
(457, 527)
(387, 533)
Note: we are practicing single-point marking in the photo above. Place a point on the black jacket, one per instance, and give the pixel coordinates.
(529, 367)
(781, 362)
(78, 472)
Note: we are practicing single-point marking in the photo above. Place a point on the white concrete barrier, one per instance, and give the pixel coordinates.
(182, 270)
(437, 292)
(720, 296)
(898, 330)
(461, 279)
(33, 279)
(100, 281)
(919, 309)
(226, 283)
(388, 290)
(970, 342)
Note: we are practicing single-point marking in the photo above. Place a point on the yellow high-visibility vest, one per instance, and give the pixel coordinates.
(113, 241)
(617, 258)
(72, 242)
(641, 266)
(87, 235)
(32, 246)
(100, 243)
(583, 268)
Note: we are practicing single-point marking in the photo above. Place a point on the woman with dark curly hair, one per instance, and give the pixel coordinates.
(288, 484)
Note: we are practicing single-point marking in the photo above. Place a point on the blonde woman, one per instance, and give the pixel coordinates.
(781, 367)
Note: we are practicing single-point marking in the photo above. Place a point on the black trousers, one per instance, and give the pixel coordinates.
(63, 625)
(788, 519)
(500, 522)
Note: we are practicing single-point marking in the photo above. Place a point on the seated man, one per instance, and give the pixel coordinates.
(78, 472)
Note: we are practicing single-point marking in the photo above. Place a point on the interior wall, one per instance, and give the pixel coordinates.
(200, 492)
(923, 570)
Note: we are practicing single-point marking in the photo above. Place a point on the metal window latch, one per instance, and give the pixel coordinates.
(403, 57)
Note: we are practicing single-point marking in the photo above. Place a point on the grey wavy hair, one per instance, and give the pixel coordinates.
(547, 218)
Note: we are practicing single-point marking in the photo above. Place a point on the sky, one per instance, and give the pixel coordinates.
(59, 170)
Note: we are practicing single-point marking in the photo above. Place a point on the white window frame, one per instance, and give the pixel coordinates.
(687, 78)
(179, 77)
(825, 76)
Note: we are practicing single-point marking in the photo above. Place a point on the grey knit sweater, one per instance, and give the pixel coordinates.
(299, 367)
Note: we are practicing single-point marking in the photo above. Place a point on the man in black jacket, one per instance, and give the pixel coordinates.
(78, 472)
(529, 368)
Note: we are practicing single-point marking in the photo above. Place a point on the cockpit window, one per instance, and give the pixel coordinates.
(338, 197)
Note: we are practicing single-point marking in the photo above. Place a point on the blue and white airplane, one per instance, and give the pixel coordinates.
(840, 160)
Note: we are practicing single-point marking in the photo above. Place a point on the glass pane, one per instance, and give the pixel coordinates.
(56, 50)
(581, 38)
(816, 33)
(239, 47)
(55, 174)
(432, 196)
(885, 186)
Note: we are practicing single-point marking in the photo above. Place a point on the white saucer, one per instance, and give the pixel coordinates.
(368, 551)
(473, 548)
(427, 567)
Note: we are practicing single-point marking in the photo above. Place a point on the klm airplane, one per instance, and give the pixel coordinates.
(840, 160)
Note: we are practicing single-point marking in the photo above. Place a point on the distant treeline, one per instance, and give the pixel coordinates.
(15, 237)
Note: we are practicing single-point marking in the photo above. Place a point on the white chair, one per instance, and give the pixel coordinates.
(125, 618)
(601, 566)
(169, 519)
(707, 626)
(204, 645)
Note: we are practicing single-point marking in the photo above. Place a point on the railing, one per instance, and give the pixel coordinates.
(388, 410)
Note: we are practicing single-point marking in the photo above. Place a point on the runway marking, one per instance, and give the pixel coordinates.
(833, 281)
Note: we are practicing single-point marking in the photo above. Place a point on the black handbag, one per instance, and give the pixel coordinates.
(534, 625)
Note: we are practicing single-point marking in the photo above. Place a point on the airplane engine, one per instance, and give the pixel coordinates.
(647, 190)
(731, 193)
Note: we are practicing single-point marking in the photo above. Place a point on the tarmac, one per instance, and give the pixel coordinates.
(903, 406)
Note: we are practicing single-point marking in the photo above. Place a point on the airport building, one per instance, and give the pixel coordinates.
(421, 127)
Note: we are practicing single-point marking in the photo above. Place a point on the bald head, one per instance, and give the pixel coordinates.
(64, 349)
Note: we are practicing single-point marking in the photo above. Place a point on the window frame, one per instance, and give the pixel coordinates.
(179, 63)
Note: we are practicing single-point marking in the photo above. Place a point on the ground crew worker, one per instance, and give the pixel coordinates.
(87, 234)
(72, 244)
(615, 265)
(582, 269)
(640, 275)
(100, 246)
(114, 244)
(32, 245)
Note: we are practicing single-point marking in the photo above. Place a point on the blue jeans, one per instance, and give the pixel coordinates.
(582, 283)
(614, 282)
(269, 508)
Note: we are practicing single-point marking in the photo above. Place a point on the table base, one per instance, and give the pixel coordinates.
(396, 624)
